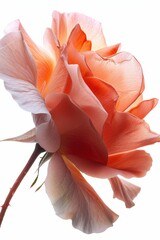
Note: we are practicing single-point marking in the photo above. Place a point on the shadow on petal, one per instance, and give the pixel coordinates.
(73, 198)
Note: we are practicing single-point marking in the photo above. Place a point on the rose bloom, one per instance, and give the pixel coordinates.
(86, 101)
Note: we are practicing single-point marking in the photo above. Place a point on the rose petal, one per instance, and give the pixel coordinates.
(46, 131)
(109, 50)
(135, 103)
(67, 78)
(63, 24)
(124, 190)
(43, 60)
(105, 93)
(60, 82)
(29, 136)
(15, 59)
(143, 108)
(73, 198)
(132, 164)
(19, 74)
(75, 57)
(26, 95)
(47, 134)
(78, 39)
(84, 98)
(52, 45)
(78, 135)
(18, 71)
(93, 169)
(129, 164)
(122, 71)
(126, 132)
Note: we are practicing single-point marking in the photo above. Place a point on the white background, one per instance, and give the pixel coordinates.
(136, 24)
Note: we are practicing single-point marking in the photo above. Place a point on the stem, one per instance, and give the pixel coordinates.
(38, 149)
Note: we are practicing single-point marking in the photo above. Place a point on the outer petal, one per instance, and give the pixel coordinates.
(63, 24)
(126, 132)
(124, 190)
(18, 70)
(47, 134)
(29, 136)
(73, 198)
(132, 164)
(143, 108)
(122, 71)
(28, 97)
(15, 59)
(78, 135)
(43, 60)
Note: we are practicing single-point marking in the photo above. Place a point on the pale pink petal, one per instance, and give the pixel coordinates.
(126, 132)
(143, 108)
(15, 59)
(124, 190)
(122, 71)
(13, 26)
(63, 24)
(43, 60)
(29, 136)
(18, 71)
(132, 164)
(28, 97)
(47, 134)
(51, 44)
(78, 135)
(73, 198)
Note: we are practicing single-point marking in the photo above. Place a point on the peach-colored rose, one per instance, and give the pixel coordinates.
(87, 106)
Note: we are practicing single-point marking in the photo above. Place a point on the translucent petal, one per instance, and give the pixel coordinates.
(144, 107)
(124, 190)
(126, 132)
(73, 198)
(63, 24)
(122, 71)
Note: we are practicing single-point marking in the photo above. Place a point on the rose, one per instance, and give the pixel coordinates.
(87, 106)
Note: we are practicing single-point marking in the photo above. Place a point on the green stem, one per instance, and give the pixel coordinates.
(38, 149)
